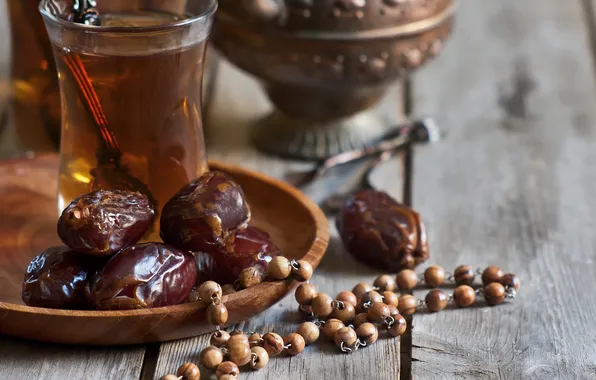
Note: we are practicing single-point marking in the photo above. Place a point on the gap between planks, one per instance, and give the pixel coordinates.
(405, 342)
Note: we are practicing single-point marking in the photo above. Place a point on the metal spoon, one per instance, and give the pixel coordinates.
(416, 131)
(361, 179)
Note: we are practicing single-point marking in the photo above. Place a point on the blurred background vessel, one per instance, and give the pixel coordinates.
(325, 64)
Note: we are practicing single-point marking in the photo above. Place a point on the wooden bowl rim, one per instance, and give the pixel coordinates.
(313, 255)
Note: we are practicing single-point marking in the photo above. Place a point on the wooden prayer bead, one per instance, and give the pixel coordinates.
(345, 312)
(378, 312)
(372, 296)
(309, 331)
(434, 276)
(331, 327)
(464, 296)
(407, 305)
(260, 359)
(347, 336)
(255, 339)
(321, 305)
(189, 371)
(510, 280)
(368, 333)
(209, 291)
(390, 298)
(219, 338)
(393, 311)
(464, 275)
(235, 337)
(436, 300)
(347, 297)
(227, 368)
(398, 327)
(228, 377)
(238, 332)
(304, 271)
(239, 349)
(359, 319)
(406, 279)
(369, 297)
(491, 274)
(217, 314)
(273, 344)
(279, 268)
(494, 293)
(296, 343)
(211, 357)
(385, 282)
(305, 293)
(250, 277)
(360, 289)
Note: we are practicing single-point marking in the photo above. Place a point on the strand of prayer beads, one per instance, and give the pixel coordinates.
(352, 320)
(361, 312)
(229, 351)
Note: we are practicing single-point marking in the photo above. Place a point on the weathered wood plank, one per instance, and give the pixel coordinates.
(513, 186)
(227, 140)
(21, 359)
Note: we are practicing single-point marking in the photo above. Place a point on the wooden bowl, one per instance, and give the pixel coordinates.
(28, 218)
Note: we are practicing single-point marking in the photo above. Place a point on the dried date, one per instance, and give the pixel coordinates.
(379, 231)
(57, 279)
(203, 213)
(143, 276)
(105, 221)
(249, 247)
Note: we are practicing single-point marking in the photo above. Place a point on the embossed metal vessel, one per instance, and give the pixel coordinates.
(326, 63)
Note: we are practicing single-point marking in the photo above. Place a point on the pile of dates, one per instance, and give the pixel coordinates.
(102, 265)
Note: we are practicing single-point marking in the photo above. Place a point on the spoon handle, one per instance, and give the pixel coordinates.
(401, 138)
(92, 102)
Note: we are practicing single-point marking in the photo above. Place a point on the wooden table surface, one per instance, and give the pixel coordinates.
(511, 185)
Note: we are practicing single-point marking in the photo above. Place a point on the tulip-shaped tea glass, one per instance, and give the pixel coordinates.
(130, 75)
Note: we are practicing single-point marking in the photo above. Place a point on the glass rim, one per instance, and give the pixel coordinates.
(212, 7)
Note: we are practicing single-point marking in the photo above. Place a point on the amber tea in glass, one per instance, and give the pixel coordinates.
(131, 96)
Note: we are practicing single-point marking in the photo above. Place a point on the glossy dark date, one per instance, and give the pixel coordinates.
(143, 276)
(379, 231)
(203, 213)
(57, 278)
(105, 221)
(249, 247)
